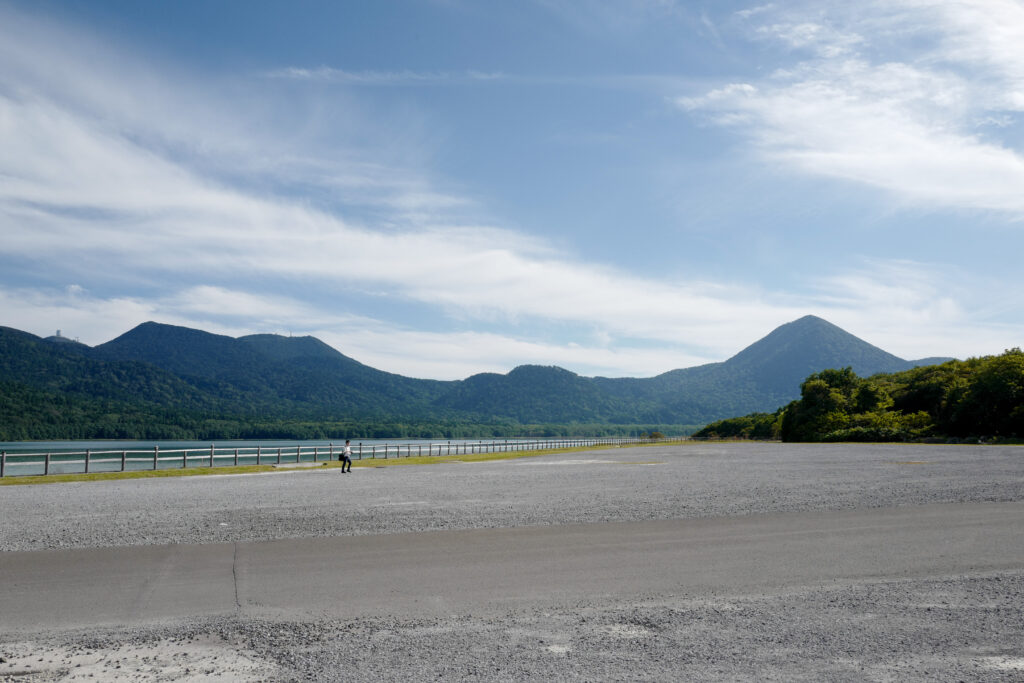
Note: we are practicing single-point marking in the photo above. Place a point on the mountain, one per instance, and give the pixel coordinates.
(770, 370)
(763, 376)
(170, 375)
(67, 368)
(301, 374)
(533, 394)
(59, 339)
(793, 351)
(183, 351)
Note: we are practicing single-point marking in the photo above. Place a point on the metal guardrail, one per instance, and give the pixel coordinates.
(79, 462)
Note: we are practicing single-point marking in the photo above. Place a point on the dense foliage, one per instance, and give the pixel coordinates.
(976, 398)
(754, 426)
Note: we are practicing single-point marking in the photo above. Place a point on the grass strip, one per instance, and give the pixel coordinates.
(133, 474)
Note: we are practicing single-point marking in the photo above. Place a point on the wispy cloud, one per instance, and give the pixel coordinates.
(637, 82)
(326, 74)
(906, 126)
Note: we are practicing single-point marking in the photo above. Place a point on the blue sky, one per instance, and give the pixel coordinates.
(444, 187)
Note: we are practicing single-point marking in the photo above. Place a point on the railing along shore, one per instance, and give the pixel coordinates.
(125, 460)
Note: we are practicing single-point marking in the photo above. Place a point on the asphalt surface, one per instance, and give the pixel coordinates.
(704, 561)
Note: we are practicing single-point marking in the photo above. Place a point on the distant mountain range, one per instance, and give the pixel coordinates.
(176, 375)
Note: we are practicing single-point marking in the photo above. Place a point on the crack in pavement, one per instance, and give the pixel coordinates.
(234, 576)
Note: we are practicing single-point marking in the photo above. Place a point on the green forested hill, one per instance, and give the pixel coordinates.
(64, 369)
(533, 393)
(972, 399)
(187, 380)
(299, 376)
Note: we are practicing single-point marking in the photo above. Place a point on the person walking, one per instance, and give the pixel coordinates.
(346, 457)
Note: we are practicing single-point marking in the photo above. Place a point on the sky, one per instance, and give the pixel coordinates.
(439, 188)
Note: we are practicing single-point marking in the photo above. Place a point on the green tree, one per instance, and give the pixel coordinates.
(993, 402)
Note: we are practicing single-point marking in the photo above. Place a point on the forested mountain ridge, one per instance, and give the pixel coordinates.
(171, 374)
(301, 372)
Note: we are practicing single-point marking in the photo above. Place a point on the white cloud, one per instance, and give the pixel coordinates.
(917, 310)
(456, 355)
(90, 319)
(753, 11)
(906, 127)
(260, 310)
(988, 34)
(822, 38)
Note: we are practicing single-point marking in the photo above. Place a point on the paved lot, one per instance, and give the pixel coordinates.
(719, 562)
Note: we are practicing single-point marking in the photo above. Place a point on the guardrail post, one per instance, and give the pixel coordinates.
(124, 460)
(330, 452)
(316, 454)
(360, 450)
(3, 462)
(259, 452)
(87, 460)
(278, 455)
(156, 455)
(184, 458)
(236, 457)
(211, 455)
(46, 465)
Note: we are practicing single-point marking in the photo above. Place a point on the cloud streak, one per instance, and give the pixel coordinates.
(405, 77)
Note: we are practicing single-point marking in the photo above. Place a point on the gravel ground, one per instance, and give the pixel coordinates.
(950, 629)
(626, 484)
(918, 629)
